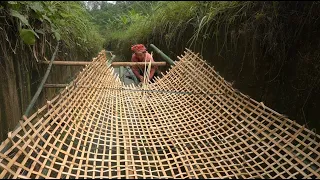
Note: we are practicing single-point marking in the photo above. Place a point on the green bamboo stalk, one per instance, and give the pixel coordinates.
(35, 97)
(164, 56)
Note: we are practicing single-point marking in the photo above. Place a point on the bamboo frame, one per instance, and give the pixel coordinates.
(94, 130)
(113, 64)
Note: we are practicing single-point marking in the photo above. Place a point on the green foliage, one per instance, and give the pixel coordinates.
(67, 21)
(125, 23)
(21, 17)
(28, 36)
(137, 21)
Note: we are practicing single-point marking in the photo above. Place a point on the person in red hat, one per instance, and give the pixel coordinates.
(141, 55)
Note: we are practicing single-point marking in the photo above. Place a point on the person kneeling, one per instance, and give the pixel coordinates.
(141, 55)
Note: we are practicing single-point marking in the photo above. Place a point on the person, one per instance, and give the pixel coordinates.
(140, 54)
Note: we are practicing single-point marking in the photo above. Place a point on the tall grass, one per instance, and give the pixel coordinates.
(223, 21)
(169, 20)
(166, 17)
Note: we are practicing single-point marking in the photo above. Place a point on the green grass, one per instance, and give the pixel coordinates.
(168, 16)
(222, 21)
(168, 21)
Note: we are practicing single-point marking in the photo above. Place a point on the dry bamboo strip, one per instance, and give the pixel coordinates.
(82, 117)
(63, 140)
(158, 135)
(170, 121)
(127, 144)
(83, 149)
(200, 124)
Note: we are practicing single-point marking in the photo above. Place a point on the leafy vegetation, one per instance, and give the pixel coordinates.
(127, 23)
(29, 31)
(133, 22)
(66, 21)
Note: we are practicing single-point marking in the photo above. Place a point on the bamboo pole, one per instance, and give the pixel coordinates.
(35, 97)
(55, 85)
(68, 63)
(114, 64)
(162, 63)
(164, 56)
(121, 73)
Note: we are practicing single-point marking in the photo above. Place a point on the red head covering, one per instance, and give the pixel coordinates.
(138, 48)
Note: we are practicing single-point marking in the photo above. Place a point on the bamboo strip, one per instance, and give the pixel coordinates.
(101, 132)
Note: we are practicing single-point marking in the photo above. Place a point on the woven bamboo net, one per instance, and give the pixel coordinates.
(189, 124)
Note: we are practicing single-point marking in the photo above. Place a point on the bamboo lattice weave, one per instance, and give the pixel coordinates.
(93, 129)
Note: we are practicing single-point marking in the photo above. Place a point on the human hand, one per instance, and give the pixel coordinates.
(141, 78)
